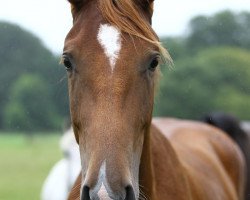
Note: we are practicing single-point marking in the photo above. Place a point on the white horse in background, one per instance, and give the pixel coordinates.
(245, 125)
(64, 173)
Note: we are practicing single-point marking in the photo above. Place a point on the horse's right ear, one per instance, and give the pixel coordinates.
(146, 6)
(76, 5)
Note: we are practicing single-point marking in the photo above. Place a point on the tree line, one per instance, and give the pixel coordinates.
(33, 89)
(211, 72)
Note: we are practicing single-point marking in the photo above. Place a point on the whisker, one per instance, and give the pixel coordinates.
(142, 196)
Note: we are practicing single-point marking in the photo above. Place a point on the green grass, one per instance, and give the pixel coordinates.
(25, 163)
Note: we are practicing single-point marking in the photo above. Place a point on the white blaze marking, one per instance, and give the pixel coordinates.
(102, 193)
(110, 39)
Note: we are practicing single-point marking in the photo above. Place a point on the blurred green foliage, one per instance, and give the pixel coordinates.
(30, 107)
(33, 89)
(211, 70)
(215, 79)
(224, 28)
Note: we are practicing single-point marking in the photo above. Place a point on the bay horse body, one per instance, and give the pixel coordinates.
(112, 55)
(232, 126)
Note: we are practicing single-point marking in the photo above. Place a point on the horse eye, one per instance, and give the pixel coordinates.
(67, 63)
(154, 63)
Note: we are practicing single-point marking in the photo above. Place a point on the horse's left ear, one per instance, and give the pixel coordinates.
(76, 5)
(146, 6)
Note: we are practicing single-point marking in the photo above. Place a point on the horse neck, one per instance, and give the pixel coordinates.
(161, 173)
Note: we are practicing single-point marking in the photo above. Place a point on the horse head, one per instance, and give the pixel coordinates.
(111, 55)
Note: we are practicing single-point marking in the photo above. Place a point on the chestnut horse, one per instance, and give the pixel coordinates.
(232, 126)
(111, 55)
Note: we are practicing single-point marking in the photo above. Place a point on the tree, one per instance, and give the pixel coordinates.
(30, 107)
(23, 53)
(223, 29)
(215, 79)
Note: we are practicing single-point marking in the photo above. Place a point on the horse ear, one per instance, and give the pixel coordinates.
(146, 6)
(76, 4)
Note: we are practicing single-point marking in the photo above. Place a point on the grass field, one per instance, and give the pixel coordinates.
(25, 163)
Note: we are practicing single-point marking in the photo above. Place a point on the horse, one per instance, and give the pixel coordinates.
(232, 126)
(62, 176)
(245, 125)
(112, 57)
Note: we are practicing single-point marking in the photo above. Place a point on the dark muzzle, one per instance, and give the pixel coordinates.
(130, 195)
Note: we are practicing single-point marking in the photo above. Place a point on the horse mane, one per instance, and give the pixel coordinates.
(125, 16)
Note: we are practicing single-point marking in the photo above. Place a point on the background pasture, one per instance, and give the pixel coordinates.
(25, 162)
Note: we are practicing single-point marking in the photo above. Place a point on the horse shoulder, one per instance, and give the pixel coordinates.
(170, 181)
(212, 162)
(232, 159)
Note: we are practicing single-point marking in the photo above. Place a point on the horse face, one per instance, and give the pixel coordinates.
(111, 77)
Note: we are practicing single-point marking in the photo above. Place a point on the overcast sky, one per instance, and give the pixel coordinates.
(50, 20)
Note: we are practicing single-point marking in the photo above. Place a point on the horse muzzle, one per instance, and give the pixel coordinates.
(103, 194)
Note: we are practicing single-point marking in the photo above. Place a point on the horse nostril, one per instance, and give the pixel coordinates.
(130, 195)
(85, 193)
